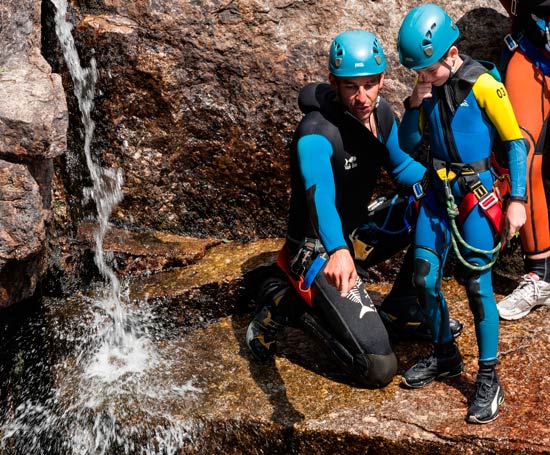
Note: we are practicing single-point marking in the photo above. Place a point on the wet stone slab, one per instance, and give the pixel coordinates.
(204, 394)
(302, 403)
(311, 407)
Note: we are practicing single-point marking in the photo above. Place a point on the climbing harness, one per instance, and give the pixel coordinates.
(303, 267)
(453, 212)
(362, 248)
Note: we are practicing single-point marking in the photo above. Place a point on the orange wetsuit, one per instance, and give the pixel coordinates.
(529, 92)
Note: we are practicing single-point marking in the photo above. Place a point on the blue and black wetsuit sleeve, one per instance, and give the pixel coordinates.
(410, 131)
(401, 166)
(314, 158)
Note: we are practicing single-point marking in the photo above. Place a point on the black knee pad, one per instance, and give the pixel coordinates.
(421, 270)
(374, 370)
(473, 291)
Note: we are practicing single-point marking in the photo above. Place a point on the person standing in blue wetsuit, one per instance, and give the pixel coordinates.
(348, 133)
(462, 105)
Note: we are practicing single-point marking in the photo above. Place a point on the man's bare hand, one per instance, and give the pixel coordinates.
(340, 271)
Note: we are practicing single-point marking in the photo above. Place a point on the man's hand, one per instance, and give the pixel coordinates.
(340, 271)
(515, 217)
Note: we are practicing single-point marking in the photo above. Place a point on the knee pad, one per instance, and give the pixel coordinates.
(473, 291)
(375, 370)
(422, 268)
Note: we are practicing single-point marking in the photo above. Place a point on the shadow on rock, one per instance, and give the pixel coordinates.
(267, 377)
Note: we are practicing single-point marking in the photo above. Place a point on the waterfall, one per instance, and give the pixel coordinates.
(106, 190)
(116, 387)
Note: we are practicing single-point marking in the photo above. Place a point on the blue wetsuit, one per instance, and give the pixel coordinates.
(462, 119)
(335, 162)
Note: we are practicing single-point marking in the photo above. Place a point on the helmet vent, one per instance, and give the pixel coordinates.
(376, 52)
(339, 52)
(427, 41)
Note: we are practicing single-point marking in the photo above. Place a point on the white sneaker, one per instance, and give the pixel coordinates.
(531, 292)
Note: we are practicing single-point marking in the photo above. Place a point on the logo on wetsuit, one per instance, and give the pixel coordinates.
(350, 163)
(358, 295)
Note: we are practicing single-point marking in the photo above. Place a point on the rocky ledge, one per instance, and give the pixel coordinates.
(300, 403)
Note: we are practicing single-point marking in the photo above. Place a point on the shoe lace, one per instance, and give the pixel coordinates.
(528, 287)
(426, 362)
(483, 389)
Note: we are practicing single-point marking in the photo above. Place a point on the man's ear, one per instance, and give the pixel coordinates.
(333, 82)
(382, 75)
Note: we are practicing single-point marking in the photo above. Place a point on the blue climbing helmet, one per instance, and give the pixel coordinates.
(356, 53)
(425, 36)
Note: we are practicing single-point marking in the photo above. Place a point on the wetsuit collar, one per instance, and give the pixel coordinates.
(460, 84)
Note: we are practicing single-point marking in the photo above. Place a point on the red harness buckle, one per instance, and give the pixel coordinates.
(488, 201)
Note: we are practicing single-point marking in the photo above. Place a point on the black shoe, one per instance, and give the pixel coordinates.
(262, 331)
(487, 398)
(261, 335)
(456, 327)
(433, 367)
(414, 330)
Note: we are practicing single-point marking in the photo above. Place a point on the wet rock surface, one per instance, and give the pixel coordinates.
(303, 403)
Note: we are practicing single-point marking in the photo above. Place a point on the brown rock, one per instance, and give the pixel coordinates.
(198, 100)
(33, 114)
(22, 233)
(33, 127)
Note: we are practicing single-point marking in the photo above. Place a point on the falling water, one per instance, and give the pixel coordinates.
(116, 387)
(119, 340)
(107, 183)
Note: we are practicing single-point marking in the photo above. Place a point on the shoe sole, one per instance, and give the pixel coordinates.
(419, 385)
(474, 419)
(517, 316)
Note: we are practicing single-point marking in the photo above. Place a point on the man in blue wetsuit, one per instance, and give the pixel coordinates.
(462, 106)
(348, 133)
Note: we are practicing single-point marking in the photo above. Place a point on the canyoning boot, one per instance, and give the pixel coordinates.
(262, 331)
(445, 362)
(488, 395)
(405, 321)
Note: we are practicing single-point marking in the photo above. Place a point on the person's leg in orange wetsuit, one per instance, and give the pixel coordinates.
(529, 92)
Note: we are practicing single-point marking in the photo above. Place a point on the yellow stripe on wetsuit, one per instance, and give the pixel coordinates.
(493, 99)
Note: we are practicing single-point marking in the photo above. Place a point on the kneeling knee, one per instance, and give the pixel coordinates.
(375, 370)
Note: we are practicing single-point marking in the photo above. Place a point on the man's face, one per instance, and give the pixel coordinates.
(358, 94)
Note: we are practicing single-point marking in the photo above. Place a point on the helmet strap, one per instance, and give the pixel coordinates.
(449, 67)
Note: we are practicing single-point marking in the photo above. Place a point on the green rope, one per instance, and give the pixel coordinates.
(452, 212)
